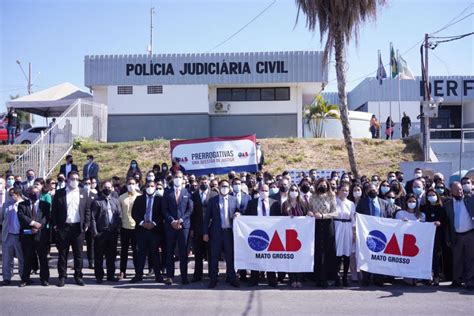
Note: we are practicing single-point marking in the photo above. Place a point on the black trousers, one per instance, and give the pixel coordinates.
(173, 238)
(105, 245)
(90, 247)
(127, 240)
(255, 277)
(70, 236)
(200, 249)
(147, 243)
(34, 250)
(325, 251)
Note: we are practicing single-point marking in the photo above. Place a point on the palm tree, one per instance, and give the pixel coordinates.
(316, 114)
(338, 22)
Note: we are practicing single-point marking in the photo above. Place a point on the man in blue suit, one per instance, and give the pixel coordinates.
(242, 197)
(177, 209)
(217, 230)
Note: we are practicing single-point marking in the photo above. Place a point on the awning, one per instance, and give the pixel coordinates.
(51, 102)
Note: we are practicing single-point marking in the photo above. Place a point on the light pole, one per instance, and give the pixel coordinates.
(28, 79)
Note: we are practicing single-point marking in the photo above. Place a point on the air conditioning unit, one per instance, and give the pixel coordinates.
(221, 107)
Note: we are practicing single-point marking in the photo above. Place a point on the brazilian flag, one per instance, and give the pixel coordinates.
(393, 62)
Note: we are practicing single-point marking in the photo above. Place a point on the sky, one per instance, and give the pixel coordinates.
(55, 35)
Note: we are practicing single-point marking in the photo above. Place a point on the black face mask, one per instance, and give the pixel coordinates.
(259, 179)
(203, 187)
(106, 192)
(283, 189)
(458, 198)
(400, 179)
(33, 197)
(322, 189)
(305, 188)
(372, 194)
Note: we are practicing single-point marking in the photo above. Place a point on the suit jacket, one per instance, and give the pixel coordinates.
(363, 207)
(25, 217)
(450, 231)
(24, 187)
(59, 209)
(4, 219)
(182, 210)
(252, 207)
(212, 219)
(100, 215)
(244, 201)
(62, 169)
(262, 160)
(139, 210)
(93, 171)
(199, 210)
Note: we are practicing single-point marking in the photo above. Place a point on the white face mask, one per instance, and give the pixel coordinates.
(73, 184)
(150, 178)
(263, 195)
(432, 198)
(160, 192)
(224, 191)
(357, 194)
(237, 188)
(293, 194)
(177, 182)
(131, 188)
(150, 190)
(411, 205)
(243, 179)
(274, 191)
(93, 185)
(418, 175)
(466, 188)
(87, 187)
(390, 179)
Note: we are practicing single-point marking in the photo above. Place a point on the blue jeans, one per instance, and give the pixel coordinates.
(11, 130)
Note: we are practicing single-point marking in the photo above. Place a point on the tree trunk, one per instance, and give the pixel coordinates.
(341, 88)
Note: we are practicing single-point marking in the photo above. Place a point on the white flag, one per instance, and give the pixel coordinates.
(405, 72)
(394, 247)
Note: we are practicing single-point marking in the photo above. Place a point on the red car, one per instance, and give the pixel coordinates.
(4, 134)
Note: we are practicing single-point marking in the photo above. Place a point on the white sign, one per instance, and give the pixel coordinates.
(394, 247)
(276, 244)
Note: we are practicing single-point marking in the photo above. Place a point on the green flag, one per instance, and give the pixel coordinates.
(393, 62)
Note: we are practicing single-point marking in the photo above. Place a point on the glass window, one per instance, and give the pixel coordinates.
(238, 94)
(268, 94)
(253, 94)
(282, 93)
(224, 94)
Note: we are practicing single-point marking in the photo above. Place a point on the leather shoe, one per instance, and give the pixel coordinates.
(79, 281)
(44, 283)
(273, 283)
(136, 279)
(185, 281)
(196, 279)
(235, 283)
(455, 284)
(61, 282)
(5, 282)
(23, 284)
(112, 279)
(212, 284)
(122, 275)
(169, 281)
(99, 281)
(159, 279)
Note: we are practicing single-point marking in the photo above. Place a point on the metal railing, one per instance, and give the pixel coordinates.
(82, 119)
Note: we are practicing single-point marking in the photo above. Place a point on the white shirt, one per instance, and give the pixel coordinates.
(72, 200)
(68, 168)
(259, 207)
(462, 220)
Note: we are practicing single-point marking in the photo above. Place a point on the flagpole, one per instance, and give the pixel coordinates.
(399, 112)
(391, 74)
(378, 94)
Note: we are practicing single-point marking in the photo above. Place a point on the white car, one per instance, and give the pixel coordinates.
(29, 135)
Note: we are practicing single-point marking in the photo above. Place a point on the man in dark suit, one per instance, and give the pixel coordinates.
(263, 206)
(372, 205)
(34, 217)
(30, 180)
(217, 230)
(90, 169)
(68, 166)
(106, 221)
(260, 156)
(242, 197)
(460, 211)
(177, 210)
(146, 213)
(200, 203)
(70, 218)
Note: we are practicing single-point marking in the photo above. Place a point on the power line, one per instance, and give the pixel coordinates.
(242, 28)
(451, 23)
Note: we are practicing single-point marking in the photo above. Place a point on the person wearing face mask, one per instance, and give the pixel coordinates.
(177, 210)
(93, 195)
(148, 219)
(282, 194)
(418, 190)
(156, 171)
(391, 199)
(30, 180)
(435, 212)
(3, 193)
(70, 218)
(11, 244)
(391, 177)
(417, 174)
(106, 221)
(150, 176)
(399, 191)
(333, 183)
(294, 206)
(91, 168)
(214, 185)
(34, 217)
(460, 214)
(306, 194)
(384, 189)
(372, 205)
(61, 184)
(375, 180)
(66, 168)
(252, 186)
(322, 206)
(466, 183)
(134, 169)
(164, 171)
(260, 156)
(442, 191)
(200, 204)
(344, 224)
(263, 206)
(217, 231)
(355, 193)
(127, 231)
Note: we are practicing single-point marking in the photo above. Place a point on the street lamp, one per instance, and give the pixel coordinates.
(28, 78)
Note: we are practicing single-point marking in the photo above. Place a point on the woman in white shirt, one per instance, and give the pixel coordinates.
(344, 225)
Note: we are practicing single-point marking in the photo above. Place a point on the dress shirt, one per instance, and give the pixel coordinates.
(68, 169)
(462, 220)
(33, 217)
(224, 212)
(375, 207)
(72, 201)
(127, 200)
(13, 222)
(260, 210)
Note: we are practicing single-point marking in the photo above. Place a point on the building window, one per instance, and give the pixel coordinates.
(155, 89)
(125, 90)
(253, 94)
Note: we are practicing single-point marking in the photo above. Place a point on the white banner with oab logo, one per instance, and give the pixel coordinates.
(276, 244)
(394, 247)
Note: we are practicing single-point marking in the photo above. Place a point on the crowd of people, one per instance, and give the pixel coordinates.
(164, 214)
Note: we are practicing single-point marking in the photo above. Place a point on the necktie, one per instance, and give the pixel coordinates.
(226, 212)
(457, 215)
(239, 198)
(264, 210)
(109, 211)
(376, 209)
(33, 211)
(306, 198)
(148, 209)
(177, 195)
(203, 197)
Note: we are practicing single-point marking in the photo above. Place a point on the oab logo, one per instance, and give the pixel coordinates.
(243, 155)
(259, 241)
(376, 241)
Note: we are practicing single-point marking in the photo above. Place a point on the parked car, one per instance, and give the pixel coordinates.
(4, 134)
(29, 135)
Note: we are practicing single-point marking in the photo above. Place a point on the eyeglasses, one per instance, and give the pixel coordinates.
(293, 190)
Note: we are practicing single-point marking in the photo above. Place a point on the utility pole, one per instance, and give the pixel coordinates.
(426, 97)
(29, 78)
(29, 85)
(150, 46)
